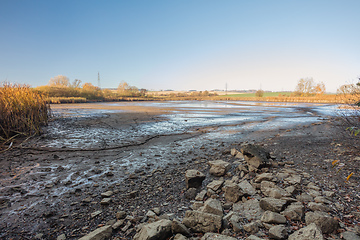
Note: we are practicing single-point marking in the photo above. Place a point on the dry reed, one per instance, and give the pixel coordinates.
(22, 111)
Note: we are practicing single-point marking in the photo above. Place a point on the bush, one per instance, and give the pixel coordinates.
(259, 93)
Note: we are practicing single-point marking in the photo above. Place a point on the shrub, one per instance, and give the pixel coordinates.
(259, 93)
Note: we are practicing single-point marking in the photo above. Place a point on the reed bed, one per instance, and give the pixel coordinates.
(22, 111)
(58, 100)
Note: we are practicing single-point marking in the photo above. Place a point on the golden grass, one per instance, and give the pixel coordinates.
(22, 111)
(58, 100)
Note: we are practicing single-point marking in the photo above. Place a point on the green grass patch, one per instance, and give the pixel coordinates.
(266, 94)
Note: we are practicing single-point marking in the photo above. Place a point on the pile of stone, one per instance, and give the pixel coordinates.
(260, 199)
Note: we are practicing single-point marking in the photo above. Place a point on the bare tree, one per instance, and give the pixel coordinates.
(320, 88)
(59, 81)
(307, 87)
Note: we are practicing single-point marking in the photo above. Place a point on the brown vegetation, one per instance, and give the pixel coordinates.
(22, 111)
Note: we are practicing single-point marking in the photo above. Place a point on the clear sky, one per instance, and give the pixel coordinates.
(181, 44)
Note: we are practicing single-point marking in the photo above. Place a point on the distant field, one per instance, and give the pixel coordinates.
(266, 94)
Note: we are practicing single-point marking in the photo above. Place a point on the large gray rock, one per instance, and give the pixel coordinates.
(157, 230)
(99, 234)
(255, 156)
(311, 232)
(273, 217)
(213, 206)
(216, 236)
(194, 178)
(202, 222)
(250, 209)
(324, 221)
(294, 211)
(272, 204)
(247, 188)
(278, 232)
(233, 192)
(219, 167)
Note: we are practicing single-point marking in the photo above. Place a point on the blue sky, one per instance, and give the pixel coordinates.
(181, 44)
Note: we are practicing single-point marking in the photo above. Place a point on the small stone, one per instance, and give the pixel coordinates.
(213, 206)
(105, 201)
(121, 215)
(311, 232)
(247, 188)
(264, 177)
(180, 237)
(252, 227)
(233, 192)
(219, 167)
(150, 214)
(324, 221)
(61, 237)
(216, 236)
(202, 222)
(156, 210)
(39, 236)
(304, 198)
(100, 233)
(272, 204)
(200, 196)
(278, 232)
(328, 193)
(318, 207)
(118, 224)
(235, 222)
(194, 178)
(350, 236)
(215, 185)
(178, 227)
(94, 214)
(294, 211)
(107, 194)
(272, 217)
(249, 209)
(190, 193)
(157, 230)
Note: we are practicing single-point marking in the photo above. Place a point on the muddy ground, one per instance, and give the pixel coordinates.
(46, 192)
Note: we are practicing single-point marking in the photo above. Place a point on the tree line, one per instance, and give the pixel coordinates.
(61, 86)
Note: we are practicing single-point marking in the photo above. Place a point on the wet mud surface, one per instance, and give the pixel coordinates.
(140, 151)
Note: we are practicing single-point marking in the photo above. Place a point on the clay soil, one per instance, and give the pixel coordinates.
(45, 214)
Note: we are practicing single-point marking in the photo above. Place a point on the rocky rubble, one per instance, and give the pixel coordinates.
(252, 196)
(270, 201)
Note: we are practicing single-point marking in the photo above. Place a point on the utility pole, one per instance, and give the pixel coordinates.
(99, 80)
(225, 88)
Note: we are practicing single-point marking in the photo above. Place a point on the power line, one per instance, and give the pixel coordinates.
(99, 80)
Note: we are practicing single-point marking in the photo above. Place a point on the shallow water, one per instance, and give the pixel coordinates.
(182, 116)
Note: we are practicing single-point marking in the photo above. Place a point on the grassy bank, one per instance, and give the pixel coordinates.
(22, 111)
(269, 97)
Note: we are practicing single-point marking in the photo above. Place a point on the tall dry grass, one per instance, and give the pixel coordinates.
(22, 111)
